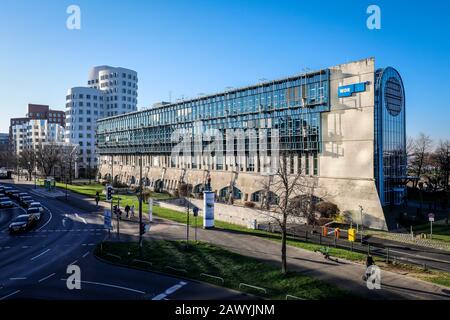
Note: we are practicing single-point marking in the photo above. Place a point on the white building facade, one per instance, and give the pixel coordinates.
(110, 91)
(35, 132)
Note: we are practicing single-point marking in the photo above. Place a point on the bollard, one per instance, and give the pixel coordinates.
(320, 238)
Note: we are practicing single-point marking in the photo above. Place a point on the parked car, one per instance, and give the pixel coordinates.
(10, 191)
(26, 202)
(35, 212)
(36, 204)
(6, 202)
(24, 198)
(23, 222)
(14, 194)
(21, 194)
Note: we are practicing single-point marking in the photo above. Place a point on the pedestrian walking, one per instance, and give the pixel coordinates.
(97, 198)
(369, 262)
(127, 210)
(132, 210)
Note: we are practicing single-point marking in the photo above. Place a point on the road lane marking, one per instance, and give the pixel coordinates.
(17, 278)
(40, 254)
(51, 216)
(169, 291)
(84, 255)
(73, 262)
(82, 219)
(9, 295)
(26, 247)
(45, 278)
(108, 285)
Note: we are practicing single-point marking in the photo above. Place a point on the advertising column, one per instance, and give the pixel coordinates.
(208, 209)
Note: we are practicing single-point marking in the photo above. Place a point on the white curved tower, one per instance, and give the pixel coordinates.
(119, 85)
(111, 91)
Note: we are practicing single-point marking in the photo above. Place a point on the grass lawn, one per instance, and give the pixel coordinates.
(232, 267)
(93, 188)
(440, 231)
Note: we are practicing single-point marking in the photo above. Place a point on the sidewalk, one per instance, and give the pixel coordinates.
(344, 274)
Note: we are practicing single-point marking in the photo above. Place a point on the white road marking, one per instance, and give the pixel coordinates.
(26, 247)
(17, 278)
(51, 216)
(9, 295)
(45, 278)
(82, 219)
(108, 285)
(84, 255)
(40, 254)
(73, 262)
(169, 291)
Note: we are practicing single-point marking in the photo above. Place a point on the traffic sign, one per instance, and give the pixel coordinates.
(107, 220)
(431, 217)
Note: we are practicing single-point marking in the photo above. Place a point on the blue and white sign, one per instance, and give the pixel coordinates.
(107, 220)
(349, 90)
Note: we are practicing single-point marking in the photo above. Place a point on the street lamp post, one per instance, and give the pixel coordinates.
(140, 204)
(362, 223)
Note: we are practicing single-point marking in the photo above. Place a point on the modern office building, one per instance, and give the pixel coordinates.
(343, 127)
(110, 91)
(41, 124)
(34, 133)
(4, 141)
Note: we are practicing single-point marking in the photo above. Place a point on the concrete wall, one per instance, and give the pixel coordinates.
(239, 215)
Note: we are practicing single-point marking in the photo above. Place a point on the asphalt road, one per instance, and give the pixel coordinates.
(33, 265)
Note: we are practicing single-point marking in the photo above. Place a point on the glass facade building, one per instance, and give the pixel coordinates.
(291, 105)
(390, 137)
(344, 124)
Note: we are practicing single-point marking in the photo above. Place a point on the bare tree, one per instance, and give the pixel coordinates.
(421, 150)
(442, 156)
(27, 161)
(294, 198)
(8, 159)
(48, 156)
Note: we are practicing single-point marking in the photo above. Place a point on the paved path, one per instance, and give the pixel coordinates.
(344, 274)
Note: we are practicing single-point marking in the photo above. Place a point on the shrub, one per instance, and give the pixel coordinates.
(249, 204)
(327, 209)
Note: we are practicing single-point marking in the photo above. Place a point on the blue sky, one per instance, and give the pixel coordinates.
(190, 47)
